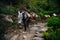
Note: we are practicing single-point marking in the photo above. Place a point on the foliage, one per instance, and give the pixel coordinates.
(54, 22)
(46, 35)
(53, 29)
(38, 5)
(44, 6)
(52, 35)
(7, 10)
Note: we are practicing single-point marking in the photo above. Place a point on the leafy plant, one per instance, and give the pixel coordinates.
(54, 22)
(7, 10)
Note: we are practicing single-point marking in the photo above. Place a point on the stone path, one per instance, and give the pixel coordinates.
(35, 33)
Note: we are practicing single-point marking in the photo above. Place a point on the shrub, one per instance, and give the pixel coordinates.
(7, 10)
(53, 22)
(52, 35)
(46, 35)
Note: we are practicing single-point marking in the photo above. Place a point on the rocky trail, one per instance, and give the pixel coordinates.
(35, 33)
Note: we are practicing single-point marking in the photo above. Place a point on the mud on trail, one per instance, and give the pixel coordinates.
(35, 33)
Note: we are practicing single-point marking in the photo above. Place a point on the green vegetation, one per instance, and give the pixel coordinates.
(54, 22)
(52, 35)
(53, 29)
(41, 7)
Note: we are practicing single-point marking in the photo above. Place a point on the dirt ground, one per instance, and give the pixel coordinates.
(34, 33)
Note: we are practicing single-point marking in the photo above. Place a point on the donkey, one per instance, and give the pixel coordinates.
(23, 18)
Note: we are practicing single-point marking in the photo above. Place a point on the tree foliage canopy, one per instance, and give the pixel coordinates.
(44, 6)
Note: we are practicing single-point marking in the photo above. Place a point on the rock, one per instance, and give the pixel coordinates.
(24, 36)
(36, 32)
(14, 37)
(37, 38)
(44, 29)
(38, 35)
(34, 28)
(24, 32)
(15, 31)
